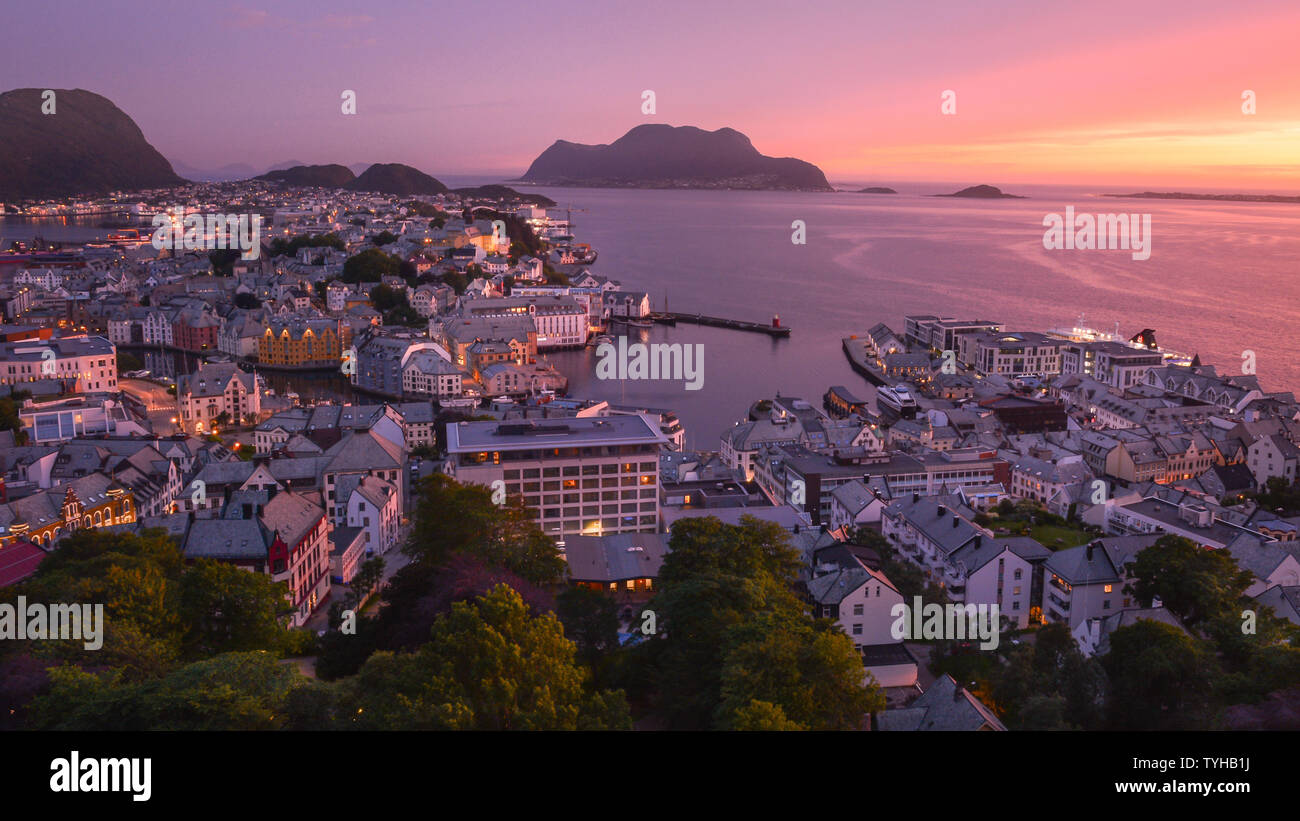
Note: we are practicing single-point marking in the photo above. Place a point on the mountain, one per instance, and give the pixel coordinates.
(395, 178)
(661, 156)
(87, 146)
(982, 192)
(312, 176)
(233, 171)
(502, 192)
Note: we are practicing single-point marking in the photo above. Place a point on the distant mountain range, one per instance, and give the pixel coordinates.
(227, 173)
(88, 146)
(1178, 195)
(661, 156)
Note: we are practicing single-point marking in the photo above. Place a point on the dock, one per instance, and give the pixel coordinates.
(863, 362)
(673, 317)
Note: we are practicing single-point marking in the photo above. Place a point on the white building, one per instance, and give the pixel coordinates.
(590, 476)
(216, 389)
(82, 364)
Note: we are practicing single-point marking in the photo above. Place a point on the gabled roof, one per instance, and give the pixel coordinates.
(944, 707)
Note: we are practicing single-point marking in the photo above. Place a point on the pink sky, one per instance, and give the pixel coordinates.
(1107, 92)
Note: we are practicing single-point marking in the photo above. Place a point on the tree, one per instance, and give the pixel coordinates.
(384, 238)
(234, 691)
(126, 361)
(736, 632)
(763, 716)
(504, 535)
(811, 670)
(1194, 583)
(223, 261)
(367, 579)
(456, 280)
(1160, 678)
(226, 608)
(590, 620)
(1279, 495)
(385, 298)
(283, 247)
(10, 420)
(370, 265)
(247, 301)
(1054, 669)
(489, 665)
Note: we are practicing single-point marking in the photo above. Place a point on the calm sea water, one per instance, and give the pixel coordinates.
(1222, 278)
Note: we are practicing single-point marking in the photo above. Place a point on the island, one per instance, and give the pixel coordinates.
(982, 192)
(664, 156)
(875, 190)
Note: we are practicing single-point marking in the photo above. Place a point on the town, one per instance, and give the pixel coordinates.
(1023, 472)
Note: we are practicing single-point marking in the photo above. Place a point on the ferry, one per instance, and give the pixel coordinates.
(1145, 340)
(898, 399)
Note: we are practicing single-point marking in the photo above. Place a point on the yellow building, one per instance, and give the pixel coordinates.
(311, 343)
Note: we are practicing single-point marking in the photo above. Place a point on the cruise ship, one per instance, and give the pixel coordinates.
(1143, 340)
(898, 399)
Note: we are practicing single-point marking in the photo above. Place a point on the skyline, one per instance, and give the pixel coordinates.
(1154, 100)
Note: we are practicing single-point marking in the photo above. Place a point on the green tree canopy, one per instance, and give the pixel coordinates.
(370, 265)
(1196, 584)
(489, 665)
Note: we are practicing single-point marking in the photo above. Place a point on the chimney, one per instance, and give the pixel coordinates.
(977, 541)
(942, 510)
(916, 497)
(1090, 544)
(955, 522)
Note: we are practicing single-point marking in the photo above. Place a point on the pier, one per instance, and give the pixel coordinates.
(673, 317)
(862, 361)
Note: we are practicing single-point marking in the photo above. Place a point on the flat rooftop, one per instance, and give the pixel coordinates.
(473, 437)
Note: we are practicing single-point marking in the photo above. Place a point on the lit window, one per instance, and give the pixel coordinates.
(1107, 588)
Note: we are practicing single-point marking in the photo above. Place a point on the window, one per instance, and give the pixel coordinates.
(1105, 605)
(1017, 575)
(857, 610)
(857, 629)
(1106, 589)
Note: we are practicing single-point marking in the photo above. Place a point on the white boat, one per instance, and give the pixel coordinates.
(1142, 341)
(898, 399)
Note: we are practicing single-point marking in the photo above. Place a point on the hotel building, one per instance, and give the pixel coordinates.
(592, 476)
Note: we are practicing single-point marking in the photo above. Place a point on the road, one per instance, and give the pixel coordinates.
(394, 560)
(161, 404)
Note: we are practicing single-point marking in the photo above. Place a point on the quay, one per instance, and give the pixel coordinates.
(862, 361)
(673, 317)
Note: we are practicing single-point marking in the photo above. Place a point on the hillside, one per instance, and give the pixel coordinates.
(661, 156)
(312, 176)
(395, 178)
(87, 146)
